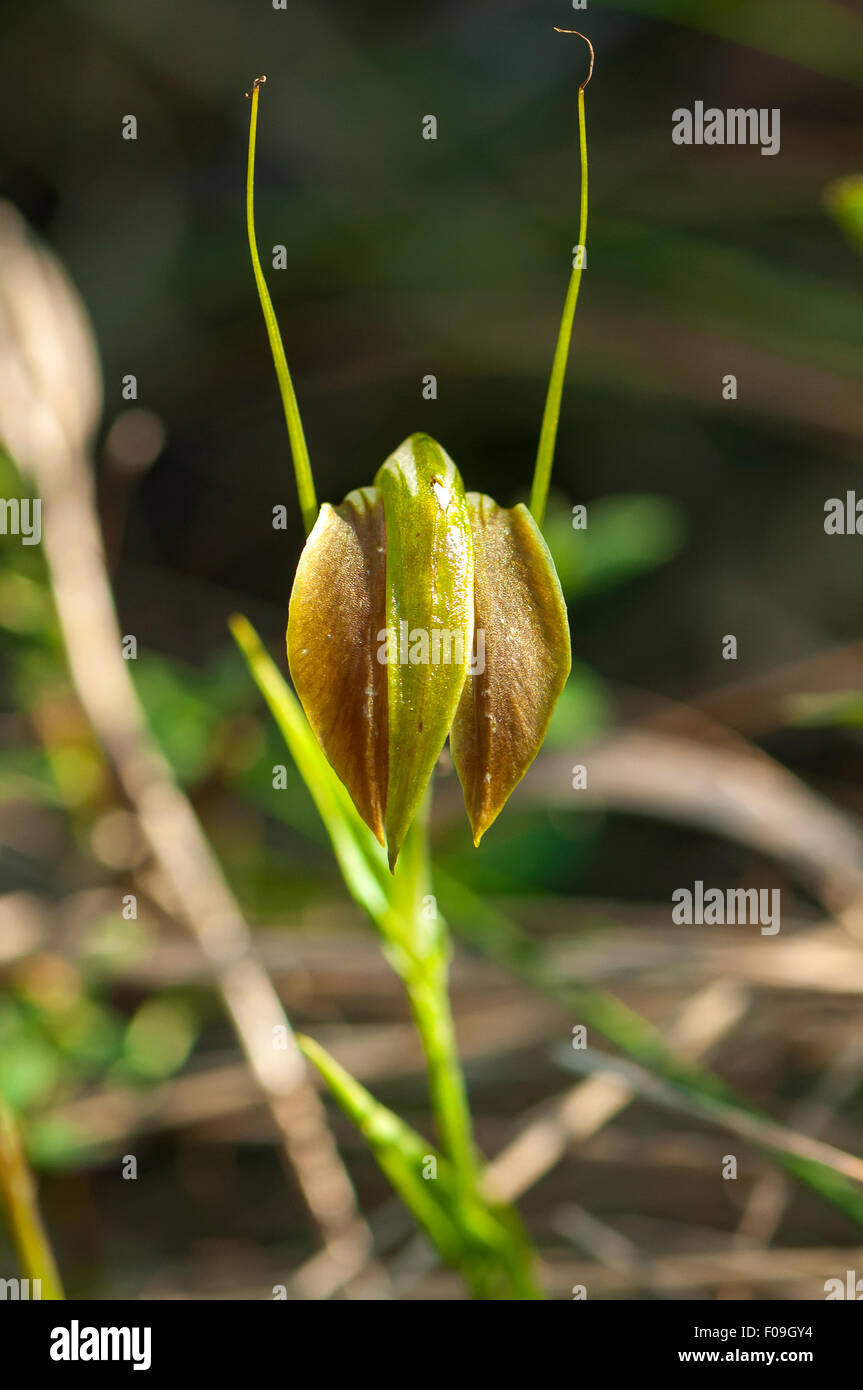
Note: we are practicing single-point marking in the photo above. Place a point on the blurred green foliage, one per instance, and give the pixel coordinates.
(845, 200)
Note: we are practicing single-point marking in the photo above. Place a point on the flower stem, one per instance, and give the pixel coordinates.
(420, 952)
(18, 1195)
(429, 1000)
(551, 414)
(422, 959)
(299, 450)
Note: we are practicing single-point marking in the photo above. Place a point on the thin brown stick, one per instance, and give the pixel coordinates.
(586, 1107)
(49, 405)
(801, 1270)
(769, 1198)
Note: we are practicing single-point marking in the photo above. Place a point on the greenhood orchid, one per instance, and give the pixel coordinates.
(419, 611)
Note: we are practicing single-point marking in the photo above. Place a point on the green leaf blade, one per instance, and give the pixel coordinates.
(485, 1243)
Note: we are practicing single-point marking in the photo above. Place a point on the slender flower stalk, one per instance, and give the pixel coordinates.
(430, 1005)
(414, 936)
(475, 1235)
(551, 414)
(426, 978)
(18, 1198)
(296, 435)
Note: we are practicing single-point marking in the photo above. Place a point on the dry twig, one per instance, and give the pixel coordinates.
(50, 400)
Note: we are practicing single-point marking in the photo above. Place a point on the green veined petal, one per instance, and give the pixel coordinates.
(429, 613)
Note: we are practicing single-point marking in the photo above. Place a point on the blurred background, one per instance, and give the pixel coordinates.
(407, 257)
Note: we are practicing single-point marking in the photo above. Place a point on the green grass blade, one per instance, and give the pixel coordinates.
(394, 902)
(360, 858)
(486, 1245)
(416, 943)
(415, 937)
(401, 1153)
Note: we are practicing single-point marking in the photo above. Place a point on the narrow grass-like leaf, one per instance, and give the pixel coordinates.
(394, 901)
(416, 942)
(401, 1153)
(413, 940)
(359, 857)
(484, 1243)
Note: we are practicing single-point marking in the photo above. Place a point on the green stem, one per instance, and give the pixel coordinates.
(423, 963)
(495, 1257)
(430, 1005)
(551, 414)
(299, 451)
(420, 952)
(18, 1195)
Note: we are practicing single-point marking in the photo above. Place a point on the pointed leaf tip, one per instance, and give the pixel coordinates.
(522, 632)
